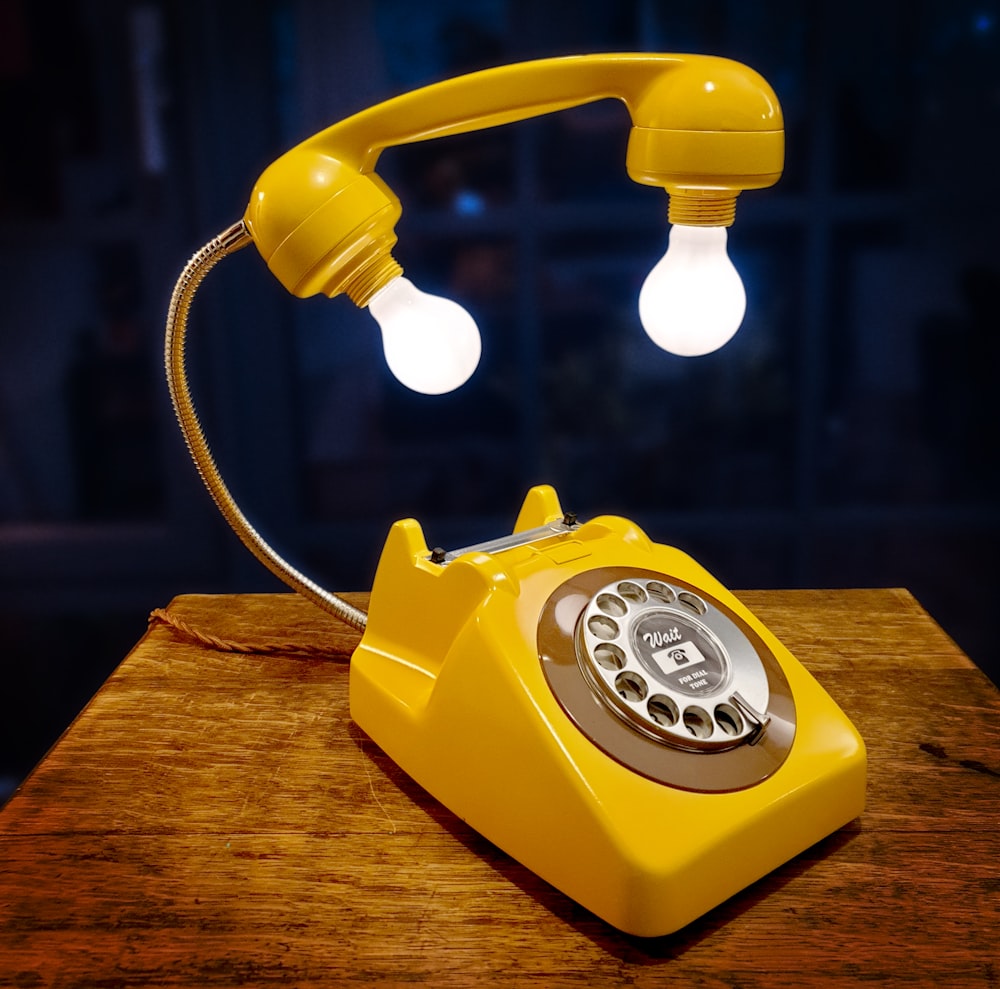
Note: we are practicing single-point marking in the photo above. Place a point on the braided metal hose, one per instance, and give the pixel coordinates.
(229, 241)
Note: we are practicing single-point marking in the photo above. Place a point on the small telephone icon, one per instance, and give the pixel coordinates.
(604, 710)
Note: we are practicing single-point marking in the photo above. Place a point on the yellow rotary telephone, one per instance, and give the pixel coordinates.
(594, 703)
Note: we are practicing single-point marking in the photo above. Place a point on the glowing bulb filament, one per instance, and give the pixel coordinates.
(693, 300)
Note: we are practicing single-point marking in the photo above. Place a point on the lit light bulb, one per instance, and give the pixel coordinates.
(431, 344)
(693, 300)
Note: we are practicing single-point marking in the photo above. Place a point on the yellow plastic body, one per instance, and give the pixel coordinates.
(448, 681)
(704, 128)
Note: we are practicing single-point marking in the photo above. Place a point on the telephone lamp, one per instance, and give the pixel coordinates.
(596, 704)
(703, 129)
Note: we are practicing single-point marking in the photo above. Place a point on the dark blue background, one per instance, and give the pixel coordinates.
(847, 436)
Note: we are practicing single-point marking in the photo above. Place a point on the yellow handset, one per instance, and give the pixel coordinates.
(703, 129)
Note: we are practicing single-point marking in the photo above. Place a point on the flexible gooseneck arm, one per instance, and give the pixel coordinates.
(704, 128)
(226, 243)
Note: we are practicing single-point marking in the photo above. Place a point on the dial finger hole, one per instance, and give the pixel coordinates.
(609, 656)
(631, 592)
(693, 602)
(603, 627)
(661, 592)
(663, 710)
(612, 605)
(697, 722)
(631, 686)
(728, 719)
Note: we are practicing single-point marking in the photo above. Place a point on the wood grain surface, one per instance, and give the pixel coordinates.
(214, 819)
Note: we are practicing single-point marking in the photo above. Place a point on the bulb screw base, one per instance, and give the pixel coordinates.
(373, 275)
(702, 207)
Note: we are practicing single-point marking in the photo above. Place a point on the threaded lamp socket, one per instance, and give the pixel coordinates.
(702, 208)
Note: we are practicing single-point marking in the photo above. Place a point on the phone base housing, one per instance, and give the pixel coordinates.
(450, 681)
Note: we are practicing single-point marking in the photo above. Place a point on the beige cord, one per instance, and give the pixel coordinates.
(162, 616)
(228, 242)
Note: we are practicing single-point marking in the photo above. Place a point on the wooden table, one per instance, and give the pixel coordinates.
(215, 819)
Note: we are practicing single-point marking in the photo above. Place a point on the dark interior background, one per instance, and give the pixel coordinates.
(846, 437)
